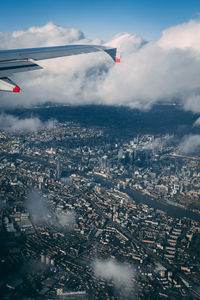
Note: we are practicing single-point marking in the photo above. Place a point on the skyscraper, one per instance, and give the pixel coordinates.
(58, 173)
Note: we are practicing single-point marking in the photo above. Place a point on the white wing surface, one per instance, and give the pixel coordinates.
(21, 60)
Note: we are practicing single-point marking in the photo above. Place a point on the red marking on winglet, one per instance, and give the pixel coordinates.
(16, 89)
(117, 60)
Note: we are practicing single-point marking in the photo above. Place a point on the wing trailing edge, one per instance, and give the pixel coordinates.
(21, 60)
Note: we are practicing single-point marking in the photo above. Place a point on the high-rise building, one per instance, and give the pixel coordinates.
(103, 162)
(42, 258)
(47, 260)
(58, 173)
(120, 153)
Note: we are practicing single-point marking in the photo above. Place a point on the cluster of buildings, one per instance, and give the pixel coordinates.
(100, 198)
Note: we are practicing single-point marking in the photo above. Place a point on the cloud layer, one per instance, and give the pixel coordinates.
(150, 72)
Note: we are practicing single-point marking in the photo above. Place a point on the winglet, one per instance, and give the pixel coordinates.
(111, 51)
(114, 53)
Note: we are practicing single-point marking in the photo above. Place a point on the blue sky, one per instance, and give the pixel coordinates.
(102, 19)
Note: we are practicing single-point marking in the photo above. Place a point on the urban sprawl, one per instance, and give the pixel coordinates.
(78, 207)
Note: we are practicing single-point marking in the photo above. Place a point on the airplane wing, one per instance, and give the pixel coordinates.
(21, 60)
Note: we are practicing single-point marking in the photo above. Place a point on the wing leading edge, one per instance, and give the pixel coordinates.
(21, 60)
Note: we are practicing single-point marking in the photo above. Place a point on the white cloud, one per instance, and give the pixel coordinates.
(47, 35)
(183, 36)
(192, 102)
(121, 274)
(190, 144)
(128, 43)
(167, 69)
(38, 207)
(14, 124)
(40, 211)
(66, 219)
(159, 142)
(151, 75)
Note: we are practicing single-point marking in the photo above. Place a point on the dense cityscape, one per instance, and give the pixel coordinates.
(86, 215)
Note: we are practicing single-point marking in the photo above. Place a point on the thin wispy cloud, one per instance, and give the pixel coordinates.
(121, 274)
(38, 207)
(66, 219)
(190, 144)
(14, 124)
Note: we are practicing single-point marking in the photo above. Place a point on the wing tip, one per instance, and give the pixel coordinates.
(114, 54)
(16, 89)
